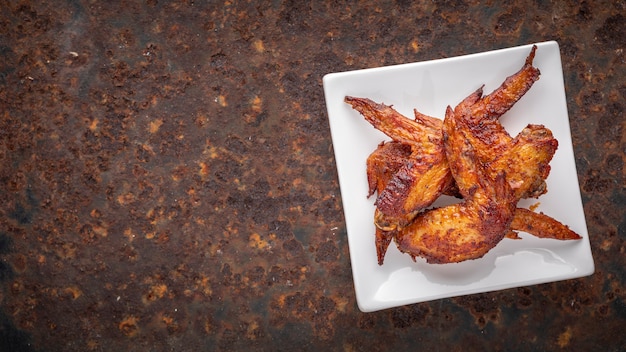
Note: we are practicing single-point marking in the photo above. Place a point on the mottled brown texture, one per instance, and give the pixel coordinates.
(167, 180)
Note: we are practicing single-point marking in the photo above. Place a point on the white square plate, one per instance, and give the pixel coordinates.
(429, 87)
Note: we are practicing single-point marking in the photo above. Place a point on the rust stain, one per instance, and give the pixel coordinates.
(565, 337)
(129, 326)
(155, 125)
(155, 292)
(74, 291)
(258, 45)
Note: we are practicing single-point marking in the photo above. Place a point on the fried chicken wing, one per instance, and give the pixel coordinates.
(493, 144)
(469, 229)
(424, 175)
(416, 185)
(541, 225)
(534, 146)
(395, 125)
(382, 165)
(510, 91)
(527, 161)
(384, 162)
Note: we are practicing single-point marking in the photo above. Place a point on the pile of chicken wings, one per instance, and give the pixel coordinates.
(468, 155)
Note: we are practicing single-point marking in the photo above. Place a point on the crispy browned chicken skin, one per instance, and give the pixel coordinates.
(469, 229)
(408, 174)
(420, 179)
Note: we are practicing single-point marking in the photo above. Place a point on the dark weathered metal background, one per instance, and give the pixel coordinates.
(167, 180)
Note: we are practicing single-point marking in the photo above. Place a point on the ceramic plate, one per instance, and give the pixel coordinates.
(429, 87)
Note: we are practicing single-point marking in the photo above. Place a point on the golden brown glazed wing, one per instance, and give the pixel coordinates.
(525, 158)
(483, 112)
(391, 161)
(384, 162)
(404, 189)
(465, 230)
(392, 123)
(414, 187)
(417, 183)
(382, 165)
(541, 225)
(510, 91)
(535, 145)
(526, 161)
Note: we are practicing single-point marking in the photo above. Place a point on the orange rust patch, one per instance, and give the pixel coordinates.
(74, 291)
(93, 126)
(100, 231)
(156, 292)
(565, 337)
(128, 233)
(259, 46)
(204, 170)
(255, 241)
(155, 125)
(126, 198)
(128, 326)
(221, 99)
(257, 104)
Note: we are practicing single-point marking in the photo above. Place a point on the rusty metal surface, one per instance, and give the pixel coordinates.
(167, 179)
